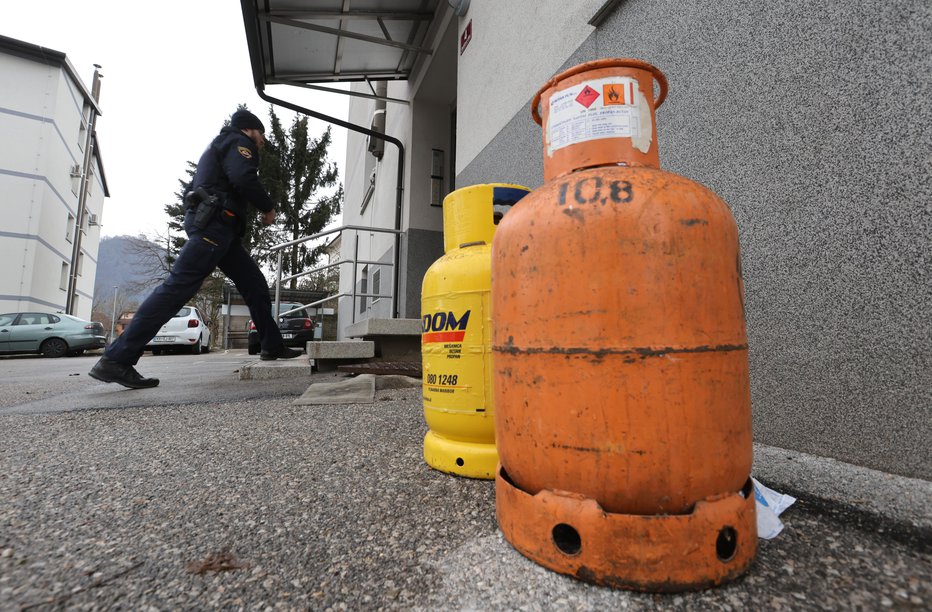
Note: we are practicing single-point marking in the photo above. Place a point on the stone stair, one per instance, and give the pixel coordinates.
(395, 340)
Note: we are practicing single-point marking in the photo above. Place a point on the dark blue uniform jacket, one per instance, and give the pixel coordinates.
(229, 168)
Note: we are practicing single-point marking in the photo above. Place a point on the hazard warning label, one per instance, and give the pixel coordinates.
(602, 108)
(618, 93)
(587, 96)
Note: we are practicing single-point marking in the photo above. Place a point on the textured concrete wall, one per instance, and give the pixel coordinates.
(813, 120)
(507, 60)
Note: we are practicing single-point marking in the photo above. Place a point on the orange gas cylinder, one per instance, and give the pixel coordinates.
(623, 417)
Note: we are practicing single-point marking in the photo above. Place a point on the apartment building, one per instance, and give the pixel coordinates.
(52, 182)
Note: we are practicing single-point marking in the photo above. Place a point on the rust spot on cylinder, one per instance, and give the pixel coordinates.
(574, 213)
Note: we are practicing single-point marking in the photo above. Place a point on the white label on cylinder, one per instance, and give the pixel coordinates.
(602, 108)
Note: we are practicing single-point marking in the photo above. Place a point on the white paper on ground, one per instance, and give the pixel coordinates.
(770, 505)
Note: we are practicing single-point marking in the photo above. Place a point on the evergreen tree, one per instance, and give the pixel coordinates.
(175, 211)
(304, 186)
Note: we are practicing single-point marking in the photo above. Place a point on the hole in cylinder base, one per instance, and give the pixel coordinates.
(459, 461)
(726, 545)
(566, 539)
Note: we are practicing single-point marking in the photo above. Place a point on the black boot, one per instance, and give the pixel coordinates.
(283, 352)
(107, 370)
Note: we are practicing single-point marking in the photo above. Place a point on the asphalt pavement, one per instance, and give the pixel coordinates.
(213, 492)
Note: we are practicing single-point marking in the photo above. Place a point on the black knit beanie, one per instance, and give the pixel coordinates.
(244, 120)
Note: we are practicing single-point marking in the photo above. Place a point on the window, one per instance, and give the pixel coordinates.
(69, 229)
(80, 264)
(35, 318)
(64, 276)
(436, 177)
(364, 288)
(377, 283)
(82, 131)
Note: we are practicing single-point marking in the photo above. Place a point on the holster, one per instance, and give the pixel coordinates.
(206, 206)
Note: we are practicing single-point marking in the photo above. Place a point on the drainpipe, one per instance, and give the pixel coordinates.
(82, 197)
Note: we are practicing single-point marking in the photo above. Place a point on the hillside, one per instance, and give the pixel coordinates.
(130, 263)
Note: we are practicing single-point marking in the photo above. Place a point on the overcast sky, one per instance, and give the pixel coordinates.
(173, 72)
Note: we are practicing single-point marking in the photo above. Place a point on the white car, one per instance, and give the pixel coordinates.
(187, 330)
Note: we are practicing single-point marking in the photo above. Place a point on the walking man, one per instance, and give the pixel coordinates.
(225, 183)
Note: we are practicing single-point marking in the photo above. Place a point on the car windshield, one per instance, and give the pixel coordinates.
(293, 315)
(183, 312)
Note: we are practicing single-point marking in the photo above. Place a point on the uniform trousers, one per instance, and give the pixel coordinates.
(215, 246)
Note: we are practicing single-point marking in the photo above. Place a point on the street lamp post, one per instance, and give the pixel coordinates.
(113, 315)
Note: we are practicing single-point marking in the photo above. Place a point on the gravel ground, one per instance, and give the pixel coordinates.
(332, 507)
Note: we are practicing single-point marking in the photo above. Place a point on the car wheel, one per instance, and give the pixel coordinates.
(156, 351)
(54, 347)
(196, 347)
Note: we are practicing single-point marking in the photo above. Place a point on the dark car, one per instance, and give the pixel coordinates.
(52, 335)
(297, 328)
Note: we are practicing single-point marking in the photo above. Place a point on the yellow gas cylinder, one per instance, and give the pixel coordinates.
(455, 344)
(623, 417)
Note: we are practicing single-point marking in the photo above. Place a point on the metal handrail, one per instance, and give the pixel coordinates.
(312, 304)
(362, 228)
(311, 271)
(279, 248)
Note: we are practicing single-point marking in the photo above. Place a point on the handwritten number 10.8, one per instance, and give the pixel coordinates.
(590, 191)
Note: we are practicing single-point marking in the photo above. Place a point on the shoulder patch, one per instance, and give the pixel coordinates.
(245, 152)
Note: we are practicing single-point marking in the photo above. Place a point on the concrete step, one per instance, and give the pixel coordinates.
(343, 349)
(395, 339)
(280, 368)
(327, 355)
(385, 327)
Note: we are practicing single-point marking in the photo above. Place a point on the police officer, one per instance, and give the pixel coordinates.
(225, 183)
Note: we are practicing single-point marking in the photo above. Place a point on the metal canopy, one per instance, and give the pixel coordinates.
(302, 42)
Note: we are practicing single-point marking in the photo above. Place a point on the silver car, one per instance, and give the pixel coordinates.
(52, 335)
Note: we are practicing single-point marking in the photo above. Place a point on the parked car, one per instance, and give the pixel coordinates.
(297, 328)
(52, 335)
(187, 330)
